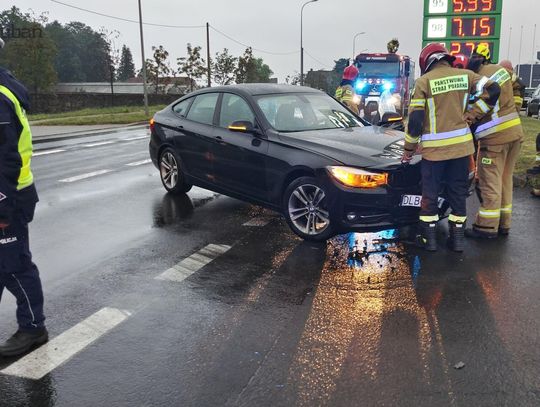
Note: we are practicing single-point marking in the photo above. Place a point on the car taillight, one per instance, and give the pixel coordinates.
(357, 178)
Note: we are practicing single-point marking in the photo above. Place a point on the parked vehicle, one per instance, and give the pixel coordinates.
(527, 97)
(293, 149)
(534, 103)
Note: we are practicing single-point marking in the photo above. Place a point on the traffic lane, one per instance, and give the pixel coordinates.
(86, 157)
(241, 333)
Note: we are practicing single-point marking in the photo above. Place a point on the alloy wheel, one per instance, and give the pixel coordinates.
(308, 211)
(168, 167)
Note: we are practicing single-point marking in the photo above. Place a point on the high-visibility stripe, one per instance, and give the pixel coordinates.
(501, 76)
(418, 103)
(506, 209)
(489, 213)
(518, 100)
(429, 218)
(496, 121)
(457, 219)
(411, 139)
(448, 142)
(25, 141)
(445, 135)
(432, 116)
(480, 86)
(482, 105)
(500, 127)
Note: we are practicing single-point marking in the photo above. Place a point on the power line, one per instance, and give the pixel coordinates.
(249, 46)
(316, 60)
(125, 19)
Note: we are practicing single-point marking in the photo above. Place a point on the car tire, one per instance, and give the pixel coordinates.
(529, 113)
(306, 211)
(171, 174)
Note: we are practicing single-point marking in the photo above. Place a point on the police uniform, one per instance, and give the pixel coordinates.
(499, 136)
(18, 198)
(437, 123)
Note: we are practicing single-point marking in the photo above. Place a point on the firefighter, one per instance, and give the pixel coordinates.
(18, 198)
(345, 93)
(499, 135)
(517, 84)
(461, 61)
(437, 123)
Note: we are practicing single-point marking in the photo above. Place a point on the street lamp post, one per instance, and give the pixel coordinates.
(143, 61)
(302, 41)
(354, 44)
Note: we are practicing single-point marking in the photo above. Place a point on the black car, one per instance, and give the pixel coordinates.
(292, 149)
(533, 106)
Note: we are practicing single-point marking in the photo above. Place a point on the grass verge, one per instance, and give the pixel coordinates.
(107, 115)
(531, 127)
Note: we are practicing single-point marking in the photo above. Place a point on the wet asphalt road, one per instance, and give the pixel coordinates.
(365, 320)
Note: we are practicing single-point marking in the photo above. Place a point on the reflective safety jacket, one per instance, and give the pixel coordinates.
(346, 95)
(502, 125)
(436, 111)
(519, 91)
(16, 179)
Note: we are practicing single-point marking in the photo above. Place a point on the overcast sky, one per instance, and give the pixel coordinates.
(274, 26)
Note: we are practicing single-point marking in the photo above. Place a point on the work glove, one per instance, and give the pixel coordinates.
(407, 156)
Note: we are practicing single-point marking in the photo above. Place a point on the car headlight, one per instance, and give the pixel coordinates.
(357, 178)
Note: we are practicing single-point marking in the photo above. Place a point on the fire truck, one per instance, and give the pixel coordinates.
(384, 84)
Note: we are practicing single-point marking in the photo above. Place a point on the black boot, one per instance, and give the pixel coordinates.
(456, 241)
(428, 237)
(474, 233)
(21, 342)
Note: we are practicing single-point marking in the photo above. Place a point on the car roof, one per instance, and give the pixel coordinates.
(254, 89)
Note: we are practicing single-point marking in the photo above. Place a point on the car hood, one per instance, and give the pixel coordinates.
(369, 147)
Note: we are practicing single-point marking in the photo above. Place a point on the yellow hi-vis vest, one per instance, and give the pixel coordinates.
(25, 141)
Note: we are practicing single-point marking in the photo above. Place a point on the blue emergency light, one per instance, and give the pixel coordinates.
(360, 85)
(388, 86)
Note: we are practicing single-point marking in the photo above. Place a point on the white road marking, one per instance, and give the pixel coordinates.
(38, 153)
(101, 143)
(193, 263)
(84, 176)
(136, 163)
(62, 348)
(134, 138)
(257, 222)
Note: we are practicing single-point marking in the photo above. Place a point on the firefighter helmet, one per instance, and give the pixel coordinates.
(461, 61)
(350, 73)
(483, 51)
(433, 53)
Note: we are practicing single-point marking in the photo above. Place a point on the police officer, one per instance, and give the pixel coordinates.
(436, 122)
(18, 198)
(345, 93)
(499, 135)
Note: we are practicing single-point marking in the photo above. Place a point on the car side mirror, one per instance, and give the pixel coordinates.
(242, 126)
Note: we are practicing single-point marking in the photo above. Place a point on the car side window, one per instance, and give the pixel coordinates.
(233, 109)
(203, 108)
(182, 107)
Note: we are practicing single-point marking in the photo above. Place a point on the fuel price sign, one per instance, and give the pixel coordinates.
(463, 24)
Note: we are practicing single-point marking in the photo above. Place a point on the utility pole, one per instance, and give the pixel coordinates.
(520, 46)
(302, 41)
(208, 54)
(146, 112)
(533, 57)
(509, 42)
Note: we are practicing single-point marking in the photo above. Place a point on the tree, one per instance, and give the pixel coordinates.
(224, 68)
(160, 65)
(340, 65)
(193, 65)
(126, 69)
(251, 69)
(31, 54)
(293, 79)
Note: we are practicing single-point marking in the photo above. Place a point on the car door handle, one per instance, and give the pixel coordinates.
(180, 127)
(220, 140)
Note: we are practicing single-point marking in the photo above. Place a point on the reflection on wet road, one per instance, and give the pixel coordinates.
(258, 317)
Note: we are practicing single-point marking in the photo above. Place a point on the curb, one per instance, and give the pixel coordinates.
(89, 133)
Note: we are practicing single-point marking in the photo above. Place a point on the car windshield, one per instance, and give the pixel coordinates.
(369, 69)
(305, 111)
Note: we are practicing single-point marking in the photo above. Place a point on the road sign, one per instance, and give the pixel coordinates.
(463, 24)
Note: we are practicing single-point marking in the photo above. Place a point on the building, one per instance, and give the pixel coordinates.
(524, 72)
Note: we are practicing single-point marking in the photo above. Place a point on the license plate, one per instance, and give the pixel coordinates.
(411, 200)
